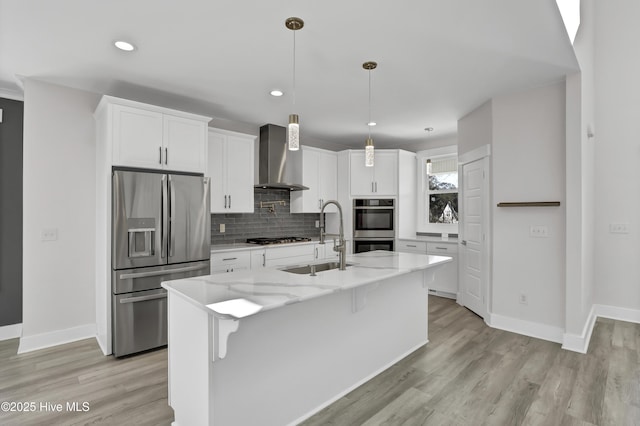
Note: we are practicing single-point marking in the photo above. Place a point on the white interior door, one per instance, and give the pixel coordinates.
(473, 270)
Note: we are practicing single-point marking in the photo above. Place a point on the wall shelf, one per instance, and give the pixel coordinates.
(530, 204)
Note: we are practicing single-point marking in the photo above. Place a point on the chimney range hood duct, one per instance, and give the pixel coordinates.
(278, 168)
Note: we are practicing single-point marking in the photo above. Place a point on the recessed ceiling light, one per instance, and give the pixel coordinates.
(371, 123)
(277, 93)
(124, 45)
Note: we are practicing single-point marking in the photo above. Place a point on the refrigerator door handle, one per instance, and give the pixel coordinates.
(172, 215)
(143, 298)
(163, 224)
(134, 275)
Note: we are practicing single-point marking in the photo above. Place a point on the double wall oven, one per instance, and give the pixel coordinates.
(373, 224)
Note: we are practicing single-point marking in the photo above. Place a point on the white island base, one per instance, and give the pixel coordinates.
(280, 366)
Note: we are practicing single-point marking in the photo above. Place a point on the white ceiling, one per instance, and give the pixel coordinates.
(437, 59)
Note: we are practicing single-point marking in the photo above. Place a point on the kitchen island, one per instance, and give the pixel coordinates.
(273, 347)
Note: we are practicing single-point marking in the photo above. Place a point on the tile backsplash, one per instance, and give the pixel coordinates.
(264, 222)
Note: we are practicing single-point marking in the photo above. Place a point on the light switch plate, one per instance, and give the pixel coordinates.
(618, 228)
(538, 231)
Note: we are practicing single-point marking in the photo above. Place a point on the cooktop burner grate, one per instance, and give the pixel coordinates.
(277, 240)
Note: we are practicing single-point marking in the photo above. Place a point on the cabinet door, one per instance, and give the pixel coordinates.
(328, 179)
(386, 173)
(310, 175)
(137, 137)
(258, 259)
(361, 176)
(239, 166)
(216, 171)
(447, 277)
(185, 144)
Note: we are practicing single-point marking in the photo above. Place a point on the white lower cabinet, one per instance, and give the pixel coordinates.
(230, 261)
(446, 282)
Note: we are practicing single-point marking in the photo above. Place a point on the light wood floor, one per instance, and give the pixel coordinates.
(469, 374)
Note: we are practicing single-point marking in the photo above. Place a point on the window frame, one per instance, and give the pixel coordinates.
(423, 225)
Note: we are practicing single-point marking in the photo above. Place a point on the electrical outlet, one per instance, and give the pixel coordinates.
(523, 299)
(317, 224)
(49, 234)
(538, 231)
(222, 228)
(618, 228)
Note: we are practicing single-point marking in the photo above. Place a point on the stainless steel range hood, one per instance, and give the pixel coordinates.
(278, 168)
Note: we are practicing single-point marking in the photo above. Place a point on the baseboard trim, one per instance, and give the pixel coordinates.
(54, 338)
(616, 313)
(10, 331)
(527, 328)
(580, 343)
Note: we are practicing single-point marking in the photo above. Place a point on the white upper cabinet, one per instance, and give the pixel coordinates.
(379, 180)
(320, 175)
(231, 168)
(153, 137)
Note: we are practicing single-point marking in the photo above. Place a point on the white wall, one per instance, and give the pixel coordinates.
(580, 171)
(617, 149)
(59, 188)
(475, 129)
(528, 157)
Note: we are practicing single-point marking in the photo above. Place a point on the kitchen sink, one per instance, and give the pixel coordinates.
(319, 267)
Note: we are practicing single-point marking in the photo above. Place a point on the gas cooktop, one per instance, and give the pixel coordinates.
(277, 240)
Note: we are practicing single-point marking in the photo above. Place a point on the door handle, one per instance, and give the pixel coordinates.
(172, 214)
(143, 298)
(163, 219)
(135, 275)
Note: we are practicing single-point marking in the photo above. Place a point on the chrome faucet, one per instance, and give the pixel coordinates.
(341, 247)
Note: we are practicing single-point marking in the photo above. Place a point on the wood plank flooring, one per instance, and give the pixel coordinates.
(469, 374)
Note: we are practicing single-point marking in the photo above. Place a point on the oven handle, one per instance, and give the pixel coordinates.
(135, 275)
(144, 298)
(373, 208)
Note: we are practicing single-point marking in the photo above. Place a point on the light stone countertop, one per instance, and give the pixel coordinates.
(244, 293)
(219, 248)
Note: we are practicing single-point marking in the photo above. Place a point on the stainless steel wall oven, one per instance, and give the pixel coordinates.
(373, 224)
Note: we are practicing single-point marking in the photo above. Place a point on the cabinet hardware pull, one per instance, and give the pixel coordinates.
(166, 155)
(372, 187)
(229, 201)
(264, 259)
(464, 242)
(229, 258)
(225, 201)
(411, 245)
(376, 186)
(316, 252)
(160, 152)
(441, 248)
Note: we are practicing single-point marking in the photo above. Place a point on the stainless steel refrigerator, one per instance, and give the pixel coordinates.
(161, 230)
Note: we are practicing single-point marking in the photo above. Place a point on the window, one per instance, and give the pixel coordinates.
(438, 190)
(442, 190)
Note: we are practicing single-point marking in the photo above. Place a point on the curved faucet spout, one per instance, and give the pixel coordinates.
(341, 247)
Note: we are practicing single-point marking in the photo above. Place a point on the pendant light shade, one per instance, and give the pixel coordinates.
(369, 153)
(293, 133)
(293, 129)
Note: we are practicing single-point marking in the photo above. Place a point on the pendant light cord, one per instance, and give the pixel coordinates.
(294, 68)
(369, 123)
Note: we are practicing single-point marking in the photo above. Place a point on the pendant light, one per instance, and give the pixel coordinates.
(369, 154)
(293, 129)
